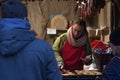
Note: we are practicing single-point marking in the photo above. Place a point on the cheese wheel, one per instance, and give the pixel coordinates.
(59, 22)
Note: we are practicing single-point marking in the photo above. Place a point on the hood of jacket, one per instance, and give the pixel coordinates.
(14, 36)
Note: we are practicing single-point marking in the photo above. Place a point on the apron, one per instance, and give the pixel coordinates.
(71, 56)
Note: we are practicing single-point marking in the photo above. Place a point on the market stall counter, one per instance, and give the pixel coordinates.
(81, 75)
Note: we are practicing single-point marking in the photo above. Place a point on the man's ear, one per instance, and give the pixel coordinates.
(117, 51)
(113, 47)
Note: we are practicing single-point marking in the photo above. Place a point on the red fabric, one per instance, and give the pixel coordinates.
(71, 56)
(96, 44)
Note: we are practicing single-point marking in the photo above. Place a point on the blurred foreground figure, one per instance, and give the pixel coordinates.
(22, 56)
(112, 69)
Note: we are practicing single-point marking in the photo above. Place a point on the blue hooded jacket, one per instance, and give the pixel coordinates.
(22, 56)
(112, 71)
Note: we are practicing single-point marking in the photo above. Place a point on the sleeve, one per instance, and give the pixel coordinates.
(108, 73)
(111, 71)
(88, 52)
(53, 72)
(57, 46)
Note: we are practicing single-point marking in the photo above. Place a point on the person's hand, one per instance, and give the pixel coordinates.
(86, 59)
(60, 65)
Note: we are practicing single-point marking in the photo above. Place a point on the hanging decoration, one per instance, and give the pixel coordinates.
(86, 8)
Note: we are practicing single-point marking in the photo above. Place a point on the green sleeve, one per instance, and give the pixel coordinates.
(58, 45)
(88, 51)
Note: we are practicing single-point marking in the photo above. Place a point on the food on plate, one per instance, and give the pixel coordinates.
(88, 72)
